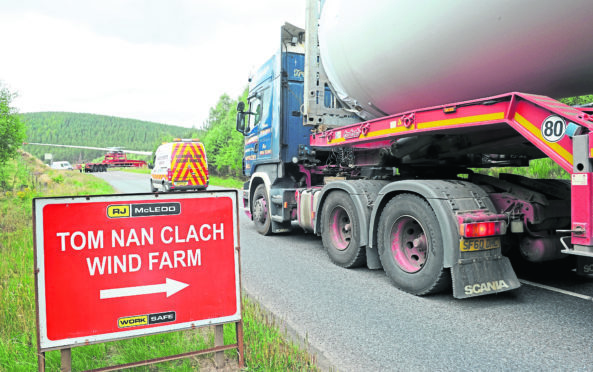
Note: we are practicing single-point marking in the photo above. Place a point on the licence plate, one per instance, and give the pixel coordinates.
(184, 183)
(481, 244)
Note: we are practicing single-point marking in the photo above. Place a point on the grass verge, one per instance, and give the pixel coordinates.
(544, 168)
(266, 348)
(227, 182)
(135, 170)
(232, 183)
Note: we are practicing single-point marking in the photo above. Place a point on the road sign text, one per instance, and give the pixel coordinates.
(142, 264)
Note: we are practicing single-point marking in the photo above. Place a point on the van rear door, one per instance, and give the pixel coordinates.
(189, 165)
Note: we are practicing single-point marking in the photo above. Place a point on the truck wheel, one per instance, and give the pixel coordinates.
(261, 211)
(340, 231)
(411, 246)
(152, 188)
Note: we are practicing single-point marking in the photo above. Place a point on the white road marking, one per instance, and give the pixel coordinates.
(553, 289)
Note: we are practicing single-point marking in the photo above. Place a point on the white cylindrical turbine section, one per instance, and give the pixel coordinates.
(391, 56)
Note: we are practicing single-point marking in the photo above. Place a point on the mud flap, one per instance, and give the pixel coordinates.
(281, 227)
(472, 278)
(373, 261)
(585, 266)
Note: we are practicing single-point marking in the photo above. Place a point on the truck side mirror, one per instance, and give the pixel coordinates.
(241, 117)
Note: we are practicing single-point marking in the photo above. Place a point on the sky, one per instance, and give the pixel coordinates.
(166, 61)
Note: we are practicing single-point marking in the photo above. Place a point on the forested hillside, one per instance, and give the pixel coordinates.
(224, 145)
(67, 128)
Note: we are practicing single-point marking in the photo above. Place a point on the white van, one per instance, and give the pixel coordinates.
(179, 165)
(62, 165)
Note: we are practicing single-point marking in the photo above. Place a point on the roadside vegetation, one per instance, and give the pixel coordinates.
(266, 344)
(232, 183)
(539, 168)
(228, 182)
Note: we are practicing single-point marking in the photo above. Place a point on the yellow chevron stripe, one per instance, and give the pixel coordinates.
(537, 133)
(432, 124)
(179, 168)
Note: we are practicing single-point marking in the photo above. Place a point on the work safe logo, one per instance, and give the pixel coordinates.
(139, 320)
(143, 210)
(132, 321)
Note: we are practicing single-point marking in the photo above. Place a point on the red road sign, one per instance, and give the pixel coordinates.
(119, 266)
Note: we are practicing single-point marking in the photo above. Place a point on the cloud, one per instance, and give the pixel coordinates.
(76, 62)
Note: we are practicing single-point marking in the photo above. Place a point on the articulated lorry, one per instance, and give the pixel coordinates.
(114, 158)
(371, 127)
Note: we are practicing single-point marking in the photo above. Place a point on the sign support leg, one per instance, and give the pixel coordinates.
(219, 341)
(41, 361)
(66, 360)
(239, 333)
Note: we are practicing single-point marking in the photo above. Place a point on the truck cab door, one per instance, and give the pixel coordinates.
(258, 137)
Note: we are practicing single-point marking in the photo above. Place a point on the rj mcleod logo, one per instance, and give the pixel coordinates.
(117, 211)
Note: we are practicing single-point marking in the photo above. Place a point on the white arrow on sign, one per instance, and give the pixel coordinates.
(170, 287)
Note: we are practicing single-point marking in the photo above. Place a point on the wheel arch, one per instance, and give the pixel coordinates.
(362, 194)
(444, 198)
(257, 179)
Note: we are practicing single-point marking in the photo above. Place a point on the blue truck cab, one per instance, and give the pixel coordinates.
(272, 124)
(275, 137)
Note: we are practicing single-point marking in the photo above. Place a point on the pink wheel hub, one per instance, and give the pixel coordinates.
(340, 227)
(260, 210)
(409, 245)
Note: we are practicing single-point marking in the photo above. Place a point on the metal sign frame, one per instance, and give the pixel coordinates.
(45, 344)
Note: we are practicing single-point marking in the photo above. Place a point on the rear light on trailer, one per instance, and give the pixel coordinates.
(169, 174)
(481, 229)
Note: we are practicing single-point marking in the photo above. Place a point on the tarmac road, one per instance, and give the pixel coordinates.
(357, 321)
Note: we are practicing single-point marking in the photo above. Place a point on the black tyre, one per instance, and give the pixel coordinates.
(340, 231)
(411, 246)
(152, 188)
(261, 211)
